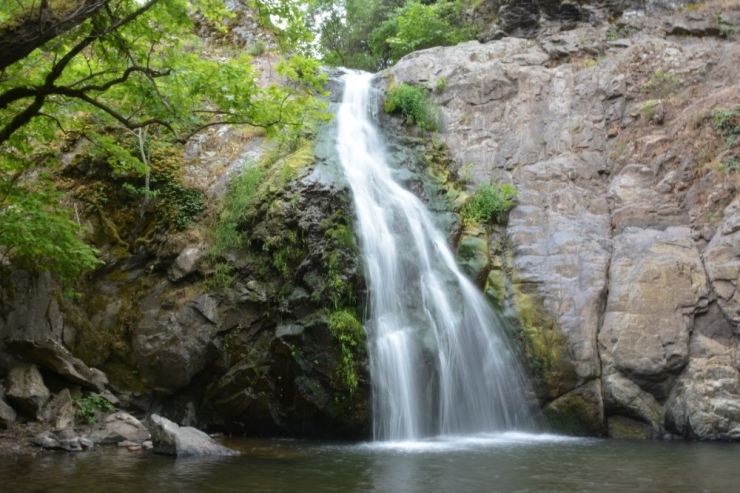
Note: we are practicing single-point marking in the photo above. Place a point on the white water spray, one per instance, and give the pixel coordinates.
(438, 362)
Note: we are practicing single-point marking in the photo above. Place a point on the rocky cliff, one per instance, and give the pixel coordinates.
(617, 270)
(620, 261)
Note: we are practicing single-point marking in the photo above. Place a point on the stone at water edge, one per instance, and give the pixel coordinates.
(118, 427)
(172, 439)
(26, 389)
(66, 440)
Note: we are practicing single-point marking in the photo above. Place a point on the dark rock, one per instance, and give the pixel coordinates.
(579, 412)
(53, 356)
(519, 18)
(26, 389)
(170, 439)
(570, 14)
(7, 415)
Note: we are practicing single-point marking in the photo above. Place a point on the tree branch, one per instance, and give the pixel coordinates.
(32, 28)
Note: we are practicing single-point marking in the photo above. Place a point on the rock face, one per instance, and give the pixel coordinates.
(621, 261)
(26, 389)
(170, 439)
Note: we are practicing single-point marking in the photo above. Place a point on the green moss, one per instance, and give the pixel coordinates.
(124, 376)
(571, 415)
(545, 348)
(348, 331)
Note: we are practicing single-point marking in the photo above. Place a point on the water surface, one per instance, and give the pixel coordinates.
(509, 462)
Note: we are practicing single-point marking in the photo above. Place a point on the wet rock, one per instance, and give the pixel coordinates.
(52, 355)
(579, 412)
(118, 427)
(185, 264)
(623, 427)
(472, 254)
(26, 389)
(66, 440)
(60, 411)
(170, 439)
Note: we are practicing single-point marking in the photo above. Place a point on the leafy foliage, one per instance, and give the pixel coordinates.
(489, 203)
(416, 26)
(346, 329)
(412, 102)
(241, 195)
(86, 407)
(121, 73)
(373, 34)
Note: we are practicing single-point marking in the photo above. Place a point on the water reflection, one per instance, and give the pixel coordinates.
(503, 463)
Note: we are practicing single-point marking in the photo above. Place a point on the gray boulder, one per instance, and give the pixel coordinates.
(60, 411)
(66, 440)
(118, 427)
(26, 389)
(172, 439)
(185, 264)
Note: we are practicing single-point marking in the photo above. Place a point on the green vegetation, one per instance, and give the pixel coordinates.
(86, 407)
(123, 80)
(726, 122)
(412, 102)
(489, 203)
(662, 84)
(241, 195)
(618, 31)
(347, 329)
(374, 34)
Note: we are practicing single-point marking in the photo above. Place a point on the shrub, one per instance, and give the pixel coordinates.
(412, 102)
(87, 406)
(489, 203)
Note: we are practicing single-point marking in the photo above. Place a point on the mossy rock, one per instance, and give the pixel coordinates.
(624, 427)
(577, 413)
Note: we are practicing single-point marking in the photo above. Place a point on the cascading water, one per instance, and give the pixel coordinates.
(438, 362)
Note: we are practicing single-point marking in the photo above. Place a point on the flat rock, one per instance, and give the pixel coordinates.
(26, 389)
(61, 441)
(171, 439)
(118, 427)
(53, 356)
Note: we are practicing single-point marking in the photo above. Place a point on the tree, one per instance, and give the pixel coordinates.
(86, 68)
(373, 34)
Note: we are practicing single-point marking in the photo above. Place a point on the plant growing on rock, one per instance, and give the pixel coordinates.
(87, 407)
(346, 329)
(413, 103)
(489, 203)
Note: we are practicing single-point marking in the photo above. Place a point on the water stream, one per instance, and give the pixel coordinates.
(439, 363)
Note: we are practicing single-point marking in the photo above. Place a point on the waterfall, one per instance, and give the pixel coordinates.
(438, 360)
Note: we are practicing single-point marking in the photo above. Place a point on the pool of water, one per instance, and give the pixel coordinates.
(510, 462)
